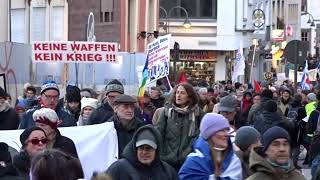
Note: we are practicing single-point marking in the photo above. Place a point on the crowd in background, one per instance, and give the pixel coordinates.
(226, 130)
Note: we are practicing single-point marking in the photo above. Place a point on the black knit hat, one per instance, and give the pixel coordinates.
(73, 94)
(4, 152)
(273, 134)
(114, 86)
(26, 133)
(3, 93)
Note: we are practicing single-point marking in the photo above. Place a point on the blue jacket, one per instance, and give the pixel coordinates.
(199, 164)
(67, 120)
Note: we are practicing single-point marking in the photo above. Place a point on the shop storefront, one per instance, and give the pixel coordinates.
(196, 64)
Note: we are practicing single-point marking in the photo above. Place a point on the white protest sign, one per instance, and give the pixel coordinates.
(158, 58)
(97, 145)
(312, 75)
(73, 52)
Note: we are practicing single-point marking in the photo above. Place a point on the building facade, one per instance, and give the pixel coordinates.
(208, 48)
(119, 21)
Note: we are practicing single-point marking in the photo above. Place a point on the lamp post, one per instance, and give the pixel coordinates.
(310, 20)
(186, 24)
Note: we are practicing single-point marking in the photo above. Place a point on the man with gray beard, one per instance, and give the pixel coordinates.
(9, 119)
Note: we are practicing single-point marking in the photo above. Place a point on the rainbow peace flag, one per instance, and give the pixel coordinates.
(143, 83)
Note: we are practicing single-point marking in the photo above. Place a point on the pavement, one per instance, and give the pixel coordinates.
(305, 169)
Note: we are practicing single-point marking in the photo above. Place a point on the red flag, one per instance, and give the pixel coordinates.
(257, 86)
(182, 78)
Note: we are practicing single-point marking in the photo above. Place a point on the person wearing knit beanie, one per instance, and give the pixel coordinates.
(247, 138)
(88, 105)
(73, 99)
(48, 120)
(104, 112)
(211, 123)
(273, 159)
(213, 155)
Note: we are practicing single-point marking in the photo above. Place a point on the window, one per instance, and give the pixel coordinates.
(38, 24)
(56, 27)
(196, 9)
(106, 13)
(304, 35)
(304, 5)
(18, 25)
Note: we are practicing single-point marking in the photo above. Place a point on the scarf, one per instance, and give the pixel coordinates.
(185, 110)
(285, 167)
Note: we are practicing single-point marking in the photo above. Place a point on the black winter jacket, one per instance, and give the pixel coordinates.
(129, 168)
(125, 134)
(65, 145)
(9, 120)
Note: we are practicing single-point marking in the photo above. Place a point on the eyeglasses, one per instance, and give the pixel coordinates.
(145, 148)
(111, 97)
(51, 97)
(37, 141)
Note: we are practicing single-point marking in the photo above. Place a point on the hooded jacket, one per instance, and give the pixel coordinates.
(9, 173)
(199, 164)
(266, 120)
(129, 168)
(263, 170)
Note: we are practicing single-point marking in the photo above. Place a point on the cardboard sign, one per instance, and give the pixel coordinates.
(74, 52)
(158, 58)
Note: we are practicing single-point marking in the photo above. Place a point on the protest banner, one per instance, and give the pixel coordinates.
(158, 53)
(97, 148)
(312, 75)
(73, 52)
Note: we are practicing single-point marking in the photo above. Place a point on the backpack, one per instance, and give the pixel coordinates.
(292, 114)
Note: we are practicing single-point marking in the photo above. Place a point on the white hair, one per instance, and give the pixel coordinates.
(203, 90)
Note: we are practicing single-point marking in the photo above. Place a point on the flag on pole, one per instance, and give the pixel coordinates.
(239, 64)
(143, 83)
(305, 81)
(257, 87)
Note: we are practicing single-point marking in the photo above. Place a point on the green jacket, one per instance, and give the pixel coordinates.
(178, 130)
(263, 170)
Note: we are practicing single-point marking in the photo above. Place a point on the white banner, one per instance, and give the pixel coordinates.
(158, 58)
(73, 52)
(312, 75)
(97, 145)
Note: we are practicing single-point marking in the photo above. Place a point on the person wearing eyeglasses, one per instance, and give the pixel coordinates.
(49, 99)
(33, 140)
(48, 120)
(141, 158)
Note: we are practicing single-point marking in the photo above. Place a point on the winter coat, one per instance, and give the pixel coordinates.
(158, 103)
(67, 120)
(200, 166)
(266, 120)
(263, 170)
(22, 163)
(105, 112)
(148, 112)
(125, 133)
(100, 114)
(129, 168)
(65, 145)
(9, 173)
(178, 130)
(311, 129)
(9, 119)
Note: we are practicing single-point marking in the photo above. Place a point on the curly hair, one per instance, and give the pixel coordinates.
(192, 94)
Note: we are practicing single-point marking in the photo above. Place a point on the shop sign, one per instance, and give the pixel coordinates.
(196, 55)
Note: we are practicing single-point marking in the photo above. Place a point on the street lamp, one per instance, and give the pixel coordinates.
(310, 20)
(186, 24)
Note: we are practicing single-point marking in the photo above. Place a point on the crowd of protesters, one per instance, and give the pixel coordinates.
(225, 131)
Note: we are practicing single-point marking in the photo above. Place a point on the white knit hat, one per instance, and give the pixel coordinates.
(47, 116)
(89, 102)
